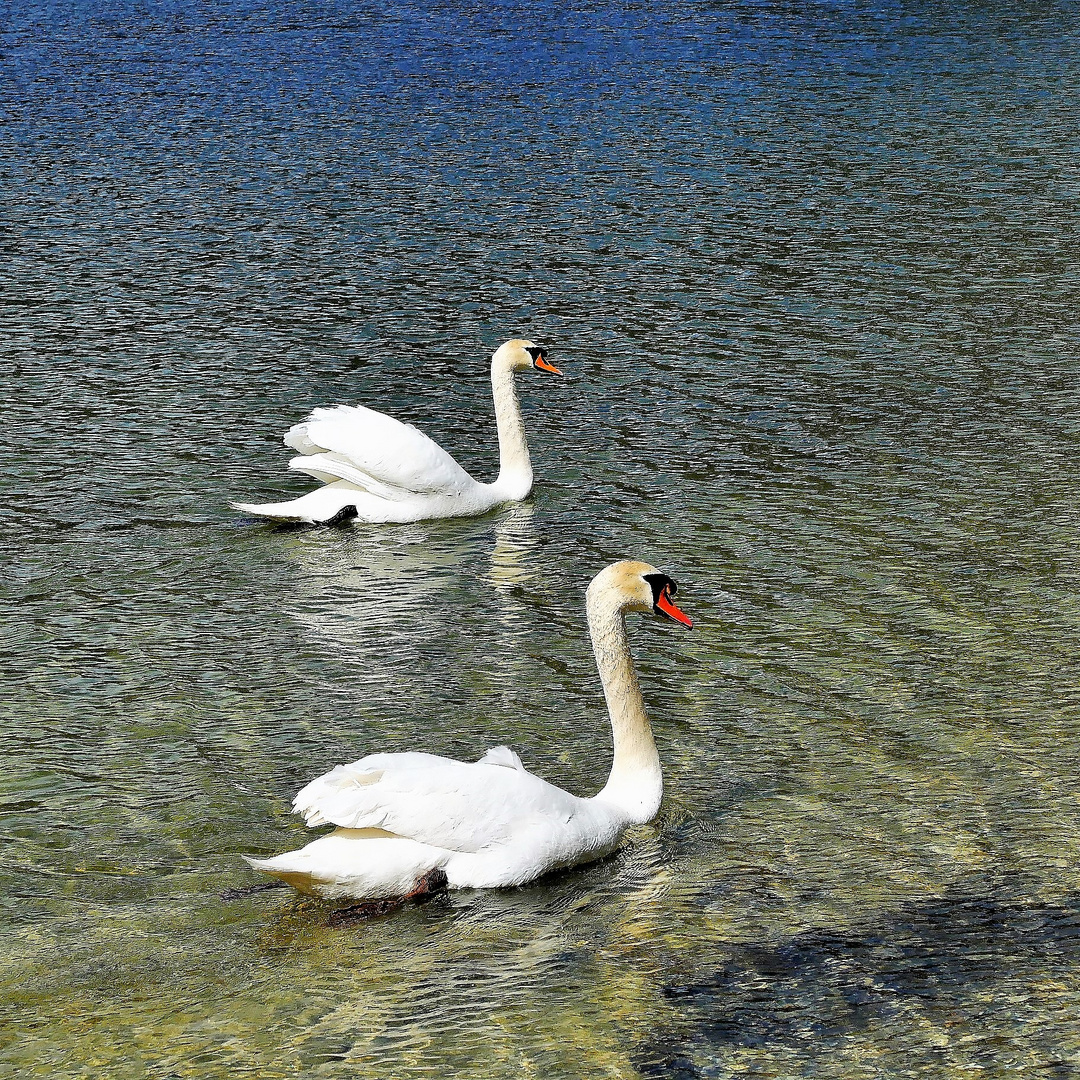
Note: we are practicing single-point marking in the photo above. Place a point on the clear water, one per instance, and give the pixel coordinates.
(811, 270)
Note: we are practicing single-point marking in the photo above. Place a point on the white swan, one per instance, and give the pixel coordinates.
(411, 823)
(376, 468)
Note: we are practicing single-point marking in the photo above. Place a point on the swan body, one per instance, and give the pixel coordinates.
(375, 468)
(488, 823)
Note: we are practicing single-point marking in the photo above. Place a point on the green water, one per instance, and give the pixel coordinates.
(810, 274)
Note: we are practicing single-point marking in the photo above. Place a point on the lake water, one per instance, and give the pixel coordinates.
(811, 271)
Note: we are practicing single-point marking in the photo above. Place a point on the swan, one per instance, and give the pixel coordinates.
(410, 823)
(376, 468)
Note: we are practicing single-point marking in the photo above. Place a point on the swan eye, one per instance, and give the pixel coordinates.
(663, 591)
(661, 585)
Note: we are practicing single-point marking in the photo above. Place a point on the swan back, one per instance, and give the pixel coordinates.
(375, 452)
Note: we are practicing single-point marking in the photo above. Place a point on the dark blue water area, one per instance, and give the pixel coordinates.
(200, 198)
(190, 153)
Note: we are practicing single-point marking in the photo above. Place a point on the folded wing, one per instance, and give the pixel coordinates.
(454, 805)
(374, 452)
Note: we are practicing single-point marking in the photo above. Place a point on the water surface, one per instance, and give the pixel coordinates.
(810, 270)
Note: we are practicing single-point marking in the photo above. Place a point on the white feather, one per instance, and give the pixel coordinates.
(391, 471)
(486, 823)
(394, 454)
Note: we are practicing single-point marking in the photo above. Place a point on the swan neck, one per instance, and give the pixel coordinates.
(515, 469)
(635, 783)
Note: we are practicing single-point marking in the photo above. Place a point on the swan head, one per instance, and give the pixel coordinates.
(517, 354)
(636, 586)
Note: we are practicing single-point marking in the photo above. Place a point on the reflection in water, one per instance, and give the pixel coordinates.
(514, 556)
(490, 977)
(377, 596)
(367, 593)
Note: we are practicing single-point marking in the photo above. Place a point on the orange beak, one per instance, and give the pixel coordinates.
(667, 606)
(543, 365)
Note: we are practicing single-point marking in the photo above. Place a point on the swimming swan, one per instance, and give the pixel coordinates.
(376, 468)
(412, 823)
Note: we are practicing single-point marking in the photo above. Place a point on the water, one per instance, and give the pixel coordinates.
(810, 270)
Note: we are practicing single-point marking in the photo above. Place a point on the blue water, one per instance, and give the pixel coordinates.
(811, 272)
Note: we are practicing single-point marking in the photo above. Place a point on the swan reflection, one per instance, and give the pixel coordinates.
(378, 597)
(513, 560)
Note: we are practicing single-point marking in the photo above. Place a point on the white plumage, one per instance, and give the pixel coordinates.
(487, 823)
(376, 468)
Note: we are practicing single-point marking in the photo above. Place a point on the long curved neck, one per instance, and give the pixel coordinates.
(515, 469)
(635, 784)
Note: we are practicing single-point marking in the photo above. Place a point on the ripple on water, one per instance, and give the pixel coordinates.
(811, 276)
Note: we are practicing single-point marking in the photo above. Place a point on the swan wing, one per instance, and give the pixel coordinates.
(454, 805)
(376, 452)
(503, 755)
(331, 468)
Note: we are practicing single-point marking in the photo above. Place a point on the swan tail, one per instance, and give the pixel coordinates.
(359, 864)
(300, 880)
(316, 507)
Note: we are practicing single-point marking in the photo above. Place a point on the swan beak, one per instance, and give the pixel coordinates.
(543, 365)
(665, 605)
